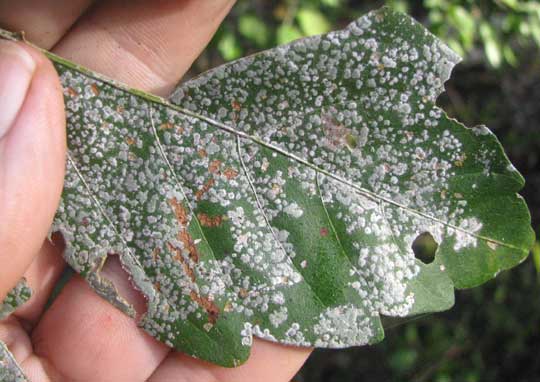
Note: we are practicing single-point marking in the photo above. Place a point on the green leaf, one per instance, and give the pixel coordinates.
(228, 46)
(10, 370)
(312, 21)
(509, 55)
(280, 195)
(287, 33)
(491, 45)
(15, 298)
(254, 29)
(536, 257)
(465, 24)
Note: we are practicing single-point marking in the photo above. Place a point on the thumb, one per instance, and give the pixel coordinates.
(32, 156)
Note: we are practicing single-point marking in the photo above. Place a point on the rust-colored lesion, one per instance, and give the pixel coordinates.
(185, 265)
(205, 188)
(155, 254)
(181, 215)
(236, 106)
(185, 238)
(230, 173)
(204, 302)
(72, 92)
(214, 166)
(94, 89)
(165, 126)
(209, 221)
(179, 212)
(335, 135)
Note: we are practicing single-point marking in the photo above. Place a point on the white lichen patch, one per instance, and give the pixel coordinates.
(343, 326)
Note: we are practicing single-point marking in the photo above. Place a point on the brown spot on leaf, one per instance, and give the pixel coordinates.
(460, 161)
(214, 166)
(189, 245)
(230, 173)
(211, 308)
(155, 254)
(228, 307)
(236, 105)
(130, 140)
(166, 126)
(207, 186)
(210, 221)
(95, 89)
(179, 211)
(178, 257)
(324, 232)
(183, 234)
(72, 92)
(334, 134)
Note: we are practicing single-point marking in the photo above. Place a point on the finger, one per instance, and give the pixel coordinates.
(268, 363)
(44, 22)
(148, 45)
(32, 153)
(85, 338)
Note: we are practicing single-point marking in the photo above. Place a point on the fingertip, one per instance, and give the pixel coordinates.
(32, 156)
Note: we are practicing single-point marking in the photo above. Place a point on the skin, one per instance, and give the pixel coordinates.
(148, 45)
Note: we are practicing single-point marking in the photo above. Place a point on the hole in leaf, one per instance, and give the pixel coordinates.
(425, 247)
(114, 272)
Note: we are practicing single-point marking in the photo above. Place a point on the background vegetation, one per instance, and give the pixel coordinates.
(493, 333)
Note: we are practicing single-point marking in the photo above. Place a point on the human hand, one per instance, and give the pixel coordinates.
(148, 45)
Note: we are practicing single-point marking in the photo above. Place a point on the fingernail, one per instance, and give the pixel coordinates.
(16, 70)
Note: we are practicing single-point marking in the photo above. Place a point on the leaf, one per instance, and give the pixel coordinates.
(286, 33)
(15, 298)
(228, 46)
(312, 21)
(254, 29)
(491, 44)
(10, 370)
(280, 195)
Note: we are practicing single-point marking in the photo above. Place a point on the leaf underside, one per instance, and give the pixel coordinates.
(279, 195)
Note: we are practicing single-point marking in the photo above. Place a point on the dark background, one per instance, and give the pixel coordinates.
(493, 332)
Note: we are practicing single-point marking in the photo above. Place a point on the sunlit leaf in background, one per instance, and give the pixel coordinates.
(229, 47)
(491, 44)
(312, 21)
(254, 29)
(287, 33)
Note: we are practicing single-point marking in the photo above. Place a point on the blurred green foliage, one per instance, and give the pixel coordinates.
(494, 28)
(493, 332)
